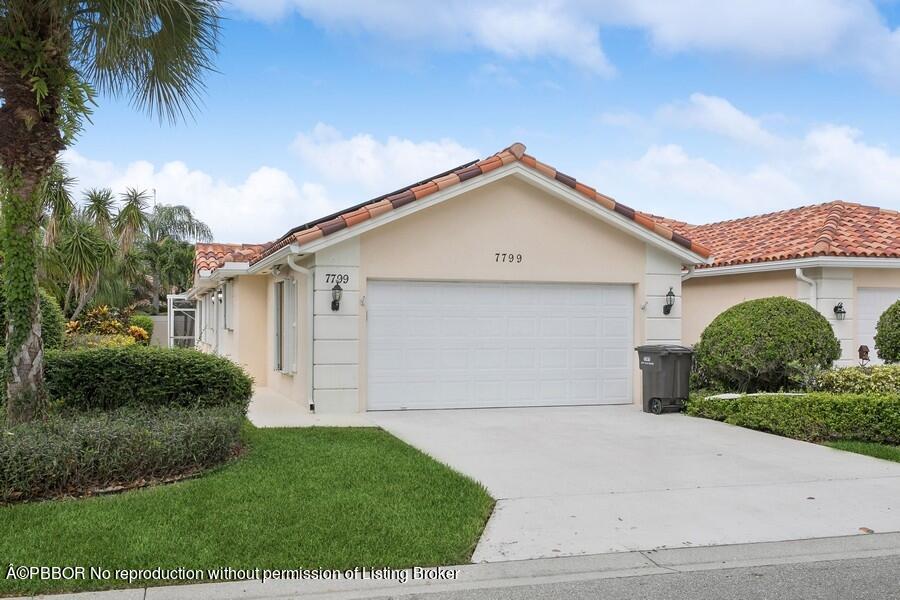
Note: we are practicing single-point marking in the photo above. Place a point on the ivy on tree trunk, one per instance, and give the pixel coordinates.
(30, 138)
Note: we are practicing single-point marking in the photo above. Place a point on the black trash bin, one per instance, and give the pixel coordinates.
(666, 371)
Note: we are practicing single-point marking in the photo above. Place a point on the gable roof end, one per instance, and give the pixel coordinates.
(514, 153)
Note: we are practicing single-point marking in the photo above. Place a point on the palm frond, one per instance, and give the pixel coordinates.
(155, 51)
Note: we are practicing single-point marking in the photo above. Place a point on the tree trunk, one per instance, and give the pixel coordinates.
(157, 288)
(25, 396)
(30, 139)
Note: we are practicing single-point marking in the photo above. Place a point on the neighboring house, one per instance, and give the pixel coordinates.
(840, 257)
(505, 282)
(500, 283)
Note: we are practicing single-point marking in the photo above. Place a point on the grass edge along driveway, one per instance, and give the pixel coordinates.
(312, 498)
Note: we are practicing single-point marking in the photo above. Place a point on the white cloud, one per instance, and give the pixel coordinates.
(258, 209)
(373, 165)
(829, 162)
(850, 168)
(509, 29)
(831, 33)
(717, 115)
(668, 181)
(269, 201)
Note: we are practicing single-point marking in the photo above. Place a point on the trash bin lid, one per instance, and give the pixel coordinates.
(665, 349)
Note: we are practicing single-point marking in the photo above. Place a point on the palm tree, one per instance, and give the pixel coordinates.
(54, 54)
(85, 251)
(132, 217)
(99, 205)
(167, 223)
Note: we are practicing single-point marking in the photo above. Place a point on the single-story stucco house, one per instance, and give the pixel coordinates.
(505, 282)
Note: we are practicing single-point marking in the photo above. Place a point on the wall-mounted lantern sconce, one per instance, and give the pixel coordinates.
(670, 301)
(219, 296)
(839, 311)
(336, 292)
(863, 355)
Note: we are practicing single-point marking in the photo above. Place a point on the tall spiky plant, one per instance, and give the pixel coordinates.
(53, 54)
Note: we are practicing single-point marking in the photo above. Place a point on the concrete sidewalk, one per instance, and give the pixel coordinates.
(498, 575)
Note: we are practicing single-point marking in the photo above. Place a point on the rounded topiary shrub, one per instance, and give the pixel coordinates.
(768, 344)
(887, 334)
(53, 323)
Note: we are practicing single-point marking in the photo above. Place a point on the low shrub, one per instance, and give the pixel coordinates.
(769, 344)
(887, 334)
(75, 454)
(96, 340)
(139, 334)
(53, 323)
(811, 417)
(880, 379)
(144, 322)
(109, 378)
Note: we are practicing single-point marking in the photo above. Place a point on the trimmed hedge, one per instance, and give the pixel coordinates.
(109, 378)
(53, 323)
(879, 379)
(769, 344)
(97, 340)
(142, 321)
(810, 417)
(887, 334)
(75, 454)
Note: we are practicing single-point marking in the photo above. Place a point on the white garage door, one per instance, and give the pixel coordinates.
(872, 302)
(465, 345)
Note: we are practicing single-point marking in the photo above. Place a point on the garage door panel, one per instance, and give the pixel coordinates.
(455, 345)
(871, 303)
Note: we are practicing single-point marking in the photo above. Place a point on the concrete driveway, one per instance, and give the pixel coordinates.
(588, 480)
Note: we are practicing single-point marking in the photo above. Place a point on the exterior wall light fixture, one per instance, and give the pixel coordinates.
(336, 292)
(670, 301)
(839, 311)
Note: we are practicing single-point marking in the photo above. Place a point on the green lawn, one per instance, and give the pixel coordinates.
(321, 497)
(884, 451)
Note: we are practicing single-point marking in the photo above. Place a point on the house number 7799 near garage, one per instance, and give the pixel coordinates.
(507, 257)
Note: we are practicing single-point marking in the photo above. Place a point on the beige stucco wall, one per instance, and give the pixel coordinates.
(706, 297)
(889, 278)
(251, 337)
(293, 386)
(458, 239)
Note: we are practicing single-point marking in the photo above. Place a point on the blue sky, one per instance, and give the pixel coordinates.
(704, 111)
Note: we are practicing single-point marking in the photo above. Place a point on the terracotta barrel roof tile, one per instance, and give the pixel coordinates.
(624, 210)
(585, 189)
(308, 235)
(402, 199)
(468, 173)
(335, 224)
(420, 191)
(489, 164)
(357, 216)
(565, 179)
(380, 207)
(644, 220)
(605, 201)
(545, 169)
(447, 180)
